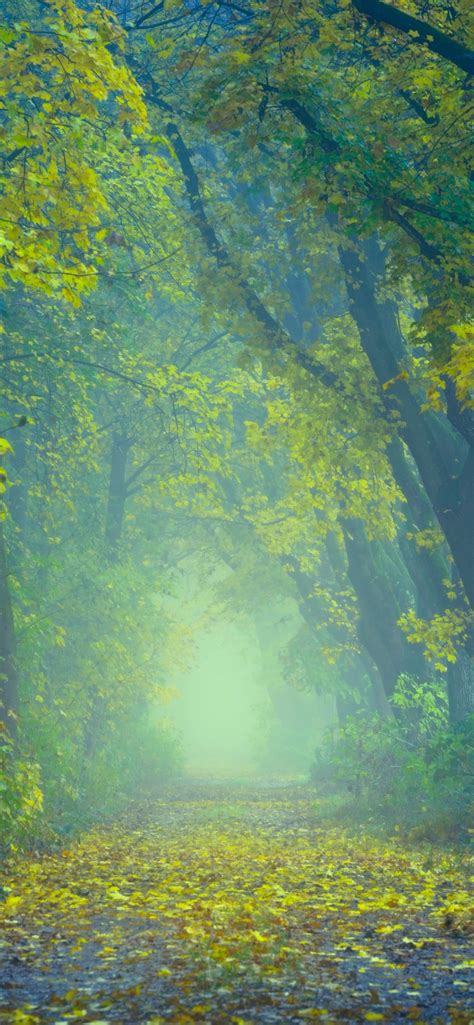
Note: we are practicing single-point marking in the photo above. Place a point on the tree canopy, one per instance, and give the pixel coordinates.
(235, 294)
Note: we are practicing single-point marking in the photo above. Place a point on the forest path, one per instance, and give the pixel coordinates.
(234, 904)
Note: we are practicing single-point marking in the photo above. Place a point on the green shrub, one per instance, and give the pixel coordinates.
(412, 773)
(134, 757)
(77, 788)
(151, 753)
(21, 797)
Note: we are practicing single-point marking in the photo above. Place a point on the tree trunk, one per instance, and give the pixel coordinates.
(360, 665)
(18, 491)
(379, 611)
(380, 703)
(8, 672)
(426, 568)
(117, 496)
(346, 706)
(460, 680)
(450, 487)
(117, 493)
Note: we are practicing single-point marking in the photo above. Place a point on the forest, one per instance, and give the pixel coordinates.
(236, 512)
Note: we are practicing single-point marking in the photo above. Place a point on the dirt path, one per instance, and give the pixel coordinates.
(235, 905)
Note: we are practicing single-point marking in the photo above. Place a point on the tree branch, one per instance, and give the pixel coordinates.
(138, 472)
(329, 145)
(278, 338)
(210, 344)
(421, 33)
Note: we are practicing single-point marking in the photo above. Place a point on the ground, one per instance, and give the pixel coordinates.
(218, 904)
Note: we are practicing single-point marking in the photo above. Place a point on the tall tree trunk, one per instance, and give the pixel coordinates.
(9, 702)
(359, 665)
(18, 491)
(446, 472)
(380, 703)
(426, 568)
(116, 499)
(450, 487)
(384, 651)
(460, 680)
(379, 611)
(117, 495)
(346, 706)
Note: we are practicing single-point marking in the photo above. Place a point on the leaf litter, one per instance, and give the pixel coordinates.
(237, 905)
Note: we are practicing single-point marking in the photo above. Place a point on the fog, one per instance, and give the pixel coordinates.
(218, 703)
(235, 712)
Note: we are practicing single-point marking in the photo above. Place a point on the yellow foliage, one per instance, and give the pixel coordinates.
(52, 129)
(440, 636)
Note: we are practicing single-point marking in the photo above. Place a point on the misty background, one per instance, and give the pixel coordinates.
(234, 712)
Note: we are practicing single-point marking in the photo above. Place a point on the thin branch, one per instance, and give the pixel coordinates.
(138, 472)
(145, 17)
(203, 348)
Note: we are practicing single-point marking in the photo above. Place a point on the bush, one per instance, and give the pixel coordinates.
(134, 758)
(412, 773)
(151, 754)
(21, 797)
(77, 790)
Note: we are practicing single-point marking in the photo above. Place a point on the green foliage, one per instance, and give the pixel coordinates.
(178, 350)
(411, 773)
(421, 708)
(58, 77)
(63, 791)
(150, 753)
(138, 756)
(21, 797)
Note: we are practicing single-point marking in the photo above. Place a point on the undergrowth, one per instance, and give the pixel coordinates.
(59, 792)
(401, 774)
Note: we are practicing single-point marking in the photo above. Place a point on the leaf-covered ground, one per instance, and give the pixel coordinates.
(236, 905)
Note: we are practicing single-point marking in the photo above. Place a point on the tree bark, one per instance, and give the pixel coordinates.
(9, 700)
(379, 611)
(18, 492)
(427, 569)
(420, 32)
(360, 666)
(460, 680)
(117, 495)
(449, 488)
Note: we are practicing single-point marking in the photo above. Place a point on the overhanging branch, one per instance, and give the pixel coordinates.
(273, 332)
(419, 31)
